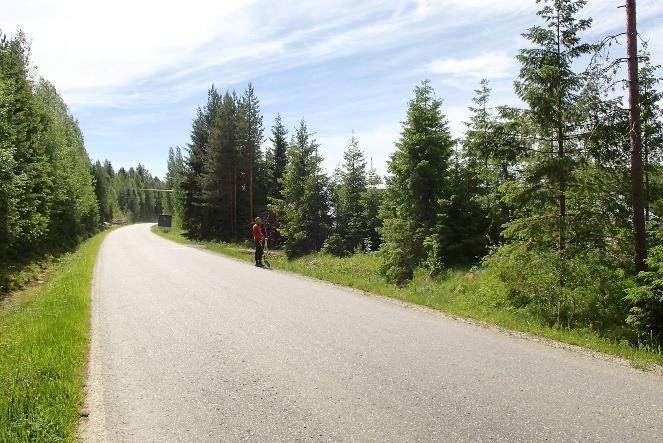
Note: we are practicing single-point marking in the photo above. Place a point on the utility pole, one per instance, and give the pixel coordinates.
(637, 193)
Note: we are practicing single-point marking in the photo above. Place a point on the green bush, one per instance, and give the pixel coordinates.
(646, 298)
(401, 251)
(335, 245)
(582, 290)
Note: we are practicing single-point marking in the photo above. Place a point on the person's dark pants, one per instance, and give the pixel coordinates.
(259, 252)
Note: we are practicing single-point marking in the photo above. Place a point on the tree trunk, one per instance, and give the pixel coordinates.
(234, 215)
(637, 193)
(251, 188)
(231, 208)
(562, 192)
(560, 149)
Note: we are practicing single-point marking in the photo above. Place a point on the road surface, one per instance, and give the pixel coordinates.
(188, 345)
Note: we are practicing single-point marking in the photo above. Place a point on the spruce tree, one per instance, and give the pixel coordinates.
(651, 99)
(28, 190)
(277, 157)
(221, 175)
(304, 208)
(197, 182)
(104, 192)
(371, 200)
(74, 210)
(350, 225)
(550, 87)
(174, 201)
(419, 173)
(250, 138)
(492, 147)
(192, 216)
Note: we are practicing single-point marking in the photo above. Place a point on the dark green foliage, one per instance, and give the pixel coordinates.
(550, 87)
(173, 202)
(419, 179)
(193, 214)
(371, 200)
(353, 205)
(556, 219)
(105, 191)
(568, 260)
(250, 138)
(646, 298)
(224, 179)
(75, 209)
(221, 172)
(651, 97)
(545, 187)
(401, 249)
(277, 158)
(27, 191)
(335, 245)
(584, 290)
(492, 146)
(460, 235)
(304, 209)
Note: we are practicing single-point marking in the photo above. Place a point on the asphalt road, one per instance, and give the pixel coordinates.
(188, 345)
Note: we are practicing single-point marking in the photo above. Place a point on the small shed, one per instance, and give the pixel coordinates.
(165, 222)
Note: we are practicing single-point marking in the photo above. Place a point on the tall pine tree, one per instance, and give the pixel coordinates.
(419, 171)
(304, 208)
(277, 158)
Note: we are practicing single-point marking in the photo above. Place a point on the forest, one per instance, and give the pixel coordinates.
(541, 194)
(51, 196)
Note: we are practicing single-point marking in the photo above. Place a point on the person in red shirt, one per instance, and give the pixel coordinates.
(258, 239)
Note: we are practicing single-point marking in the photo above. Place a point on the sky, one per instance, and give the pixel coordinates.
(133, 72)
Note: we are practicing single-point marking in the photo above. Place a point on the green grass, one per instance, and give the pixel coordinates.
(475, 293)
(43, 351)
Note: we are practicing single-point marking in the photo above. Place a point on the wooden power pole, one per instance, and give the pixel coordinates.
(637, 191)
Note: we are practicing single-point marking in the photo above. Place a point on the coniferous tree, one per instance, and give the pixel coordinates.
(250, 138)
(28, 190)
(75, 210)
(193, 213)
(198, 183)
(478, 170)
(563, 252)
(222, 172)
(492, 147)
(174, 201)
(304, 209)
(651, 97)
(277, 157)
(419, 175)
(350, 225)
(104, 191)
(550, 87)
(371, 200)
(334, 243)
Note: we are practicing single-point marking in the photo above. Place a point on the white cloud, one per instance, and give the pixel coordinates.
(609, 16)
(490, 65)
(88, 44)
(89, 47)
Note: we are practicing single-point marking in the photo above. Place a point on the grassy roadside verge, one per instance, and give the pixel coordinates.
(43, 344)
(469, 293)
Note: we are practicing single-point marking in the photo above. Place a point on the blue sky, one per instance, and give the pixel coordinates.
(134, 72)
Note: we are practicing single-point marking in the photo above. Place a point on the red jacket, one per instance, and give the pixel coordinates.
(257, 233)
